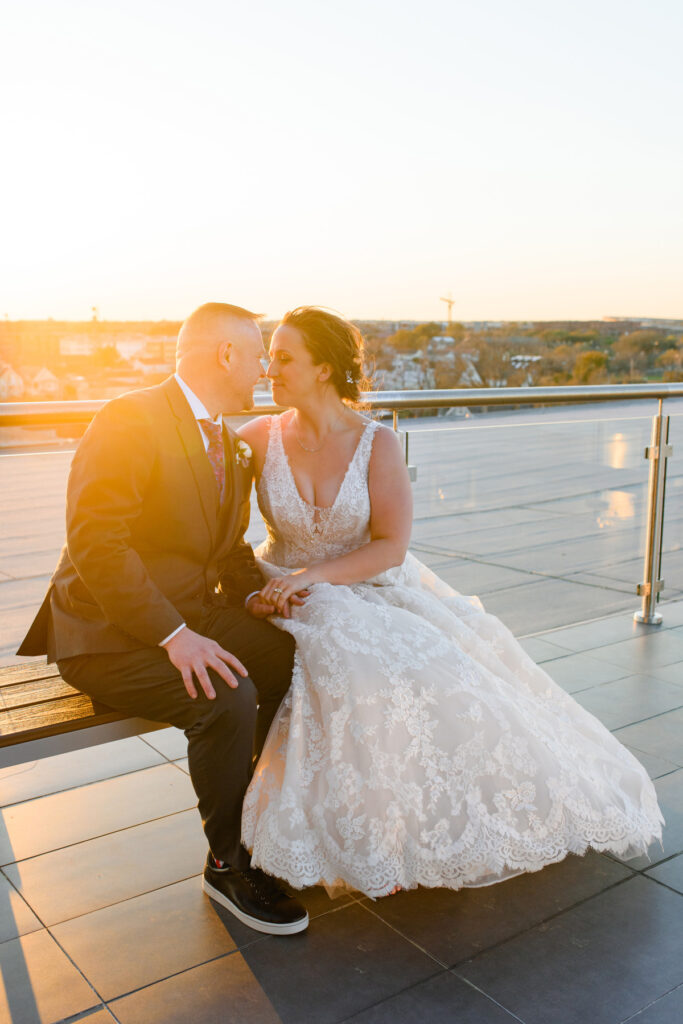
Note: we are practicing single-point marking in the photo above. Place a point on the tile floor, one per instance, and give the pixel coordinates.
(102, 917)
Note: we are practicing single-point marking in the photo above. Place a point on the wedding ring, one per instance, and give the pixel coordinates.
(276, 590)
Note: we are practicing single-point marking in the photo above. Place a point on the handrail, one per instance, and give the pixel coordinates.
(13, 414)
(16, 414)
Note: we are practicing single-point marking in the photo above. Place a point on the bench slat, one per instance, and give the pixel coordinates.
(36, 691)
(24, 673)
(52, 716)
(41, 715)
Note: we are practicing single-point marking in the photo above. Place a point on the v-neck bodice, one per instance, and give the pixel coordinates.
(300, 533)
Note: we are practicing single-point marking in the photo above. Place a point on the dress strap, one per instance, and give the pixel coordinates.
(274, 446)
(365, 445)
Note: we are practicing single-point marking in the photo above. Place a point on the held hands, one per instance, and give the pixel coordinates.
(192, 654)
(282, 592)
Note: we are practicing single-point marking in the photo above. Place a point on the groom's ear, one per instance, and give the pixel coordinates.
(224, 354)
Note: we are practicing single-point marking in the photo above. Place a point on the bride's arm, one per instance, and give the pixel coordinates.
(391, 513)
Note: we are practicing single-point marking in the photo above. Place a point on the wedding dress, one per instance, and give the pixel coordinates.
(419, 744)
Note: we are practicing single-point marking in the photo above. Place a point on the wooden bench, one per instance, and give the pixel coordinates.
(41, 715)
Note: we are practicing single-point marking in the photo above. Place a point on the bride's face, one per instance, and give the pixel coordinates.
(292, 373)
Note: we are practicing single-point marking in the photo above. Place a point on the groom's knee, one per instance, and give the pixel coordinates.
(235, 707)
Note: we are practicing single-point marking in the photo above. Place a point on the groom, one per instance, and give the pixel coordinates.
(153, 608)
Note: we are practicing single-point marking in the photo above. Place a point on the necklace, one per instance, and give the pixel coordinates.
(319, 449)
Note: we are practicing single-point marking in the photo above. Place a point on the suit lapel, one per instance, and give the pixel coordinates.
(234, 496)
(191, 439)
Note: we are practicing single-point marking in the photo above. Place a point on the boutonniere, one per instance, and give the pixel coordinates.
(242, 454)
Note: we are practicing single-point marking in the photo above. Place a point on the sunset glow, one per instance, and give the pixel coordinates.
(363, 156)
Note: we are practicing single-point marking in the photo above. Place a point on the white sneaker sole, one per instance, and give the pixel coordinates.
(254, 922)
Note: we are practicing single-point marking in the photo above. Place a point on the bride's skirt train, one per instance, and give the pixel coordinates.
(420, 745)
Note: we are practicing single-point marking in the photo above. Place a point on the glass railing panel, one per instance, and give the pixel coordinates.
(543, 512)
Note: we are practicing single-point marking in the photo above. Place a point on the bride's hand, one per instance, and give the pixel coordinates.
(284, 591)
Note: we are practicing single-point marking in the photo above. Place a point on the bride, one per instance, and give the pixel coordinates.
(418, 744)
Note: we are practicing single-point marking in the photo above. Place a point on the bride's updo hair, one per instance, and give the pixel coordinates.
(331, 339)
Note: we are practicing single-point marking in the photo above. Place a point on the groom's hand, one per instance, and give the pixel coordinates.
(193, 654)
(261, 608)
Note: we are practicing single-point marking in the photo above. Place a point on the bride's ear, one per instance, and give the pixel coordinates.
(324, 372)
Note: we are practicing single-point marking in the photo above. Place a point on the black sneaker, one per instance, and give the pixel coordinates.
(255, 898)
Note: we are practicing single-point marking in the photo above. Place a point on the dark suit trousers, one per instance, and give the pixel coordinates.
(223, 734)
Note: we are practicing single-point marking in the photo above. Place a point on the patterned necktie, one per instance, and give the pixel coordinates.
(214, 432)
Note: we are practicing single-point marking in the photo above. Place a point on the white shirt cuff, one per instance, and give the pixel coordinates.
(162, 643)
(249, 597)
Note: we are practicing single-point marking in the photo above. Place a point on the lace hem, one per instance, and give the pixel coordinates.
(303, 864)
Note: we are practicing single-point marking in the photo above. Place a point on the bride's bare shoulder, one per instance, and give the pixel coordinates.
(255, 429)
(255, 433)
(386, 443)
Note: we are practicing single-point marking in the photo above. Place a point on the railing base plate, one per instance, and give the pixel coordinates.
(651, 620)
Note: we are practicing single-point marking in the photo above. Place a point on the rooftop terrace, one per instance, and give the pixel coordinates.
(101, 912)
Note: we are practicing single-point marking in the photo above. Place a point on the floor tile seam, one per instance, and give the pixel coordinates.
(388, 998)
(599, 647)
(477, 559)
(83, 1016)
(664, 860)
(424, 549)
(116, 903)
(405, 938)
(19, 893)
(664, 885)
(561, 577)
(611, 617)
(675, 766)
(176, 974)
(92, 839)
(75, 966)
(639, 721)
(482, 992)
(156, 750)
(551, 917)
(619, 679)
(646, 675)
(80, 785)
(662, 714)
(34, 576)
(173, 974)
(634, 1016)
(437, 549)
(664, 775)
(575, 693)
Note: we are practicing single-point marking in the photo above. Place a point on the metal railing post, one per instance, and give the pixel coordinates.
(657, 452)
(412, 470)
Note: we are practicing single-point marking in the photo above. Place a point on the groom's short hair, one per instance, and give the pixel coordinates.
(202, 322)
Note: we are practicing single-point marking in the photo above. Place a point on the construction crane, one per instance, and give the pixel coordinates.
(450, 302)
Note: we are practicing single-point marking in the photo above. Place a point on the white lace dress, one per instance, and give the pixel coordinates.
(419, 744)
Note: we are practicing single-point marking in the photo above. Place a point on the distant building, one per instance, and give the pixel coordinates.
(78, 345)
(43, 384)
(11, 384)
(160, 350)
(521, 361)
(653, 322)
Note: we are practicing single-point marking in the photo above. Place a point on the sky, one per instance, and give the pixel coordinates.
(366, 155)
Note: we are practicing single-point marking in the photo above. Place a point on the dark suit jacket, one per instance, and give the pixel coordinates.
(147, 542)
